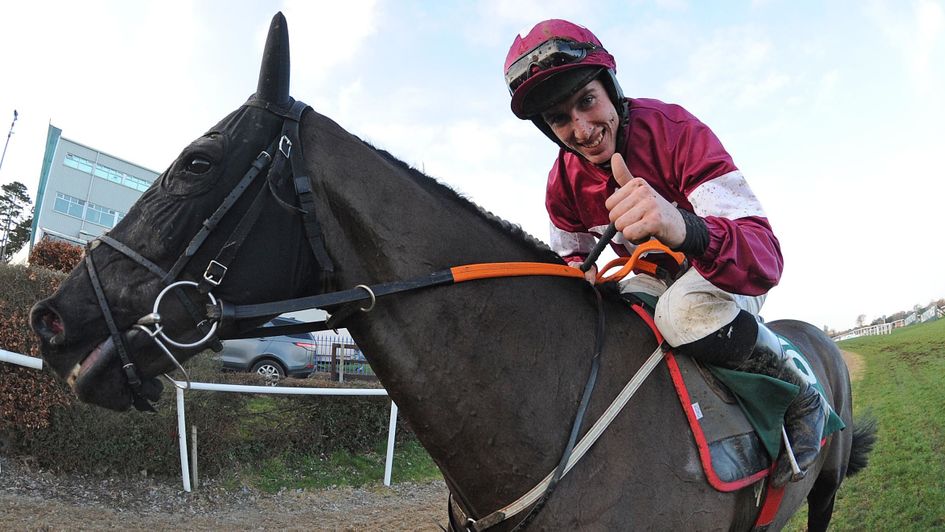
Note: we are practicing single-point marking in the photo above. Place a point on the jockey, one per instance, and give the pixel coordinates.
(656, 171)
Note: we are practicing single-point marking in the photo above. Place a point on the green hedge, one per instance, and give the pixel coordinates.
(41, 419)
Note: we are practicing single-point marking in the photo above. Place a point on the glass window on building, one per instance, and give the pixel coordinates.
(69, 205)
(79, 163)
(100, 215)
(106, 173)
(136, 183)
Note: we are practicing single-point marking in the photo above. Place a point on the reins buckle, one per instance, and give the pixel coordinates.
(285, 146)
(215, 272)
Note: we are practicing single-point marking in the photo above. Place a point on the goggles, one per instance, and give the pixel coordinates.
(549, 54)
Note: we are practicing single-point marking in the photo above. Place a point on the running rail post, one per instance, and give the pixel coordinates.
(391, 433)
(182, 440)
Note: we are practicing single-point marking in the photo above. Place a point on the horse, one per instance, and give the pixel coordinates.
(488, 374)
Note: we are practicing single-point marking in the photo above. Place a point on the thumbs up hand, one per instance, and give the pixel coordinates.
(639, 212)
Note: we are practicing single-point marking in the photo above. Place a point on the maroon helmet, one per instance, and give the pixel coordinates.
(557, 51)
(552, 62)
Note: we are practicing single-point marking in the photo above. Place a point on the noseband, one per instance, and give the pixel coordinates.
(281, 161)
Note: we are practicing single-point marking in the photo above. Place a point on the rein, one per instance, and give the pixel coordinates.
(281, 159)
(228, 313)
(535, 498)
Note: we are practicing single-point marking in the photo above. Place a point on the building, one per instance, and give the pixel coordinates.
(83, 192)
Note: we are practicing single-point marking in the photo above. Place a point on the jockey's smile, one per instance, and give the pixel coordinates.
(586, 122)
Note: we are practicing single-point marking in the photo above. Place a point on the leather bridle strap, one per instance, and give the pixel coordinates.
(187, 303)
(217, 267)
(285, 152)
(261, 162)
(128, 366)
(133, 255)
(303, 189)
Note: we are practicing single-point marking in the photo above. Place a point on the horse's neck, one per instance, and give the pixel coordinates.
(487, 372)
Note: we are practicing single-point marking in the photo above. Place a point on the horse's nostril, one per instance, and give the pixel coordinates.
(47, 324)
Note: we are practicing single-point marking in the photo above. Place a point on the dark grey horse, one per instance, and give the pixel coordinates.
(488, 373)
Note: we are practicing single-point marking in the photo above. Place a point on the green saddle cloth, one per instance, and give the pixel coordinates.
(765, 399)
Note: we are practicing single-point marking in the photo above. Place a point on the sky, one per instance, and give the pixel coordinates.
(833, 110)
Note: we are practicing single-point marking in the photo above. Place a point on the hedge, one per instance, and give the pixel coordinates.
(40, 418)
(56, 255)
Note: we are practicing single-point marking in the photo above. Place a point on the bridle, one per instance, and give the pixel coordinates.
(282, 162)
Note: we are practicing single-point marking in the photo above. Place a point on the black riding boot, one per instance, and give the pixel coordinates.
(804, 419)
(746, 345)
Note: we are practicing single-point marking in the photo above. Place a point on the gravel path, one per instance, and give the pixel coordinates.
(31, 499)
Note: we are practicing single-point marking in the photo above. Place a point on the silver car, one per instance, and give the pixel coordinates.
(272, 357)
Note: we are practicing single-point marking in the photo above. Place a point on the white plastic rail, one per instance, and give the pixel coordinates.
(37, 363)
(280, 390)
(21, 360)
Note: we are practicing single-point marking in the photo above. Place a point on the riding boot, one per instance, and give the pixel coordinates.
(746, 345)
(805, 416)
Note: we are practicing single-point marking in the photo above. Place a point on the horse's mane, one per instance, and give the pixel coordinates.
(434, 186)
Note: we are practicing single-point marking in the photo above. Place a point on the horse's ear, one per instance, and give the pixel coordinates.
(273, 84)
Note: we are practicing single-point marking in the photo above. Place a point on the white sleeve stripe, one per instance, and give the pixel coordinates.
(566, 243)
(726, 196)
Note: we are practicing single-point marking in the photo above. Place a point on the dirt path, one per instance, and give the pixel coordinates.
(855, 364)
(31, 499)
(38, 500)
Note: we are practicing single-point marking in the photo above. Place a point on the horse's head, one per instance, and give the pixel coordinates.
(191, 225)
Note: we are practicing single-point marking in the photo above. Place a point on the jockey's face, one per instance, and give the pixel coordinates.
(586, 122)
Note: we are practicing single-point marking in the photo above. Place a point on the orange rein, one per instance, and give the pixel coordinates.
(634, 262)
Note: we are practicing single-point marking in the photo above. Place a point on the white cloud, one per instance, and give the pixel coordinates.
(918, 36)
(326, 35)
(501, 20)
(844, 180)
(733, 68)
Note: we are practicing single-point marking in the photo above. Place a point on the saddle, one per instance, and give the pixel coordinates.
(735, 417)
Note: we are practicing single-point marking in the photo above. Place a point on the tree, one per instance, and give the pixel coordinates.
(861, 320)
(19, 235)
(14, 201)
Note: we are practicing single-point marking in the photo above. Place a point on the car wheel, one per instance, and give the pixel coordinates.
(269, 370)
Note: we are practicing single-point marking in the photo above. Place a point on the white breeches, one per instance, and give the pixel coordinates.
(691, 308)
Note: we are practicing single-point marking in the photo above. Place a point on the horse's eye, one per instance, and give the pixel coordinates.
(198, 165)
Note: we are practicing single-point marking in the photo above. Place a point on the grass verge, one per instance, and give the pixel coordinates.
(903, 488)
(340, 468)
